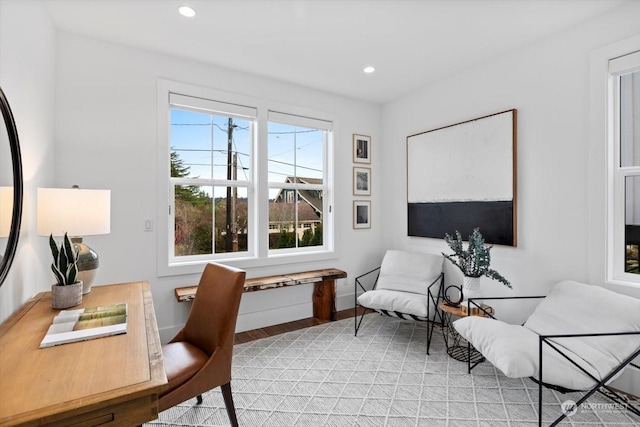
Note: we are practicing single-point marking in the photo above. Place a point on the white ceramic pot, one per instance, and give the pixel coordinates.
(66, 296)
(471, 288)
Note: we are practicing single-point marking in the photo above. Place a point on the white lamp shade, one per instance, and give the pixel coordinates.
(76, 211)
(6, 210)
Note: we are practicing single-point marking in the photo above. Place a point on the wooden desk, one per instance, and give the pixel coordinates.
(324, 288)
(105, 381)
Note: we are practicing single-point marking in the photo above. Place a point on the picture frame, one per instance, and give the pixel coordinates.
(361, 148)
(361, 214)
(361, 181)
(463, 176)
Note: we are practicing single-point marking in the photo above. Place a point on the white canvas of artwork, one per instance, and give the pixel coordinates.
(463, 176)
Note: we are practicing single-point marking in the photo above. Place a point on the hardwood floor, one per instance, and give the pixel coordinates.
(269, 331)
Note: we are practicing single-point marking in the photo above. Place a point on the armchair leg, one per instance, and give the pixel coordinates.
(228, 401)
(199, 399)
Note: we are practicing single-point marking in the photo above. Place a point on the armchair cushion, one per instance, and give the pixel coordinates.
(513, 349)
(409, 271)
(396, 302)
(570, 308)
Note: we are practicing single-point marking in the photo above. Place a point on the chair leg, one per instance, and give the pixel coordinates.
(228, 401)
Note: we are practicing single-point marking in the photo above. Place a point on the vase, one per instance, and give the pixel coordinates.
(66, 296)
(471, 288)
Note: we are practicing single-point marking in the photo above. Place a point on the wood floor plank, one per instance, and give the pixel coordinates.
(269, 331)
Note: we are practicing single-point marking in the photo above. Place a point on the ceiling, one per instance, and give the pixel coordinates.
(325, 44)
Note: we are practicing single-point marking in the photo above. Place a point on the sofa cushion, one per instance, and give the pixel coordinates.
(513, 349)
(570, 308)
(409, 271)
(577, 308)
(396, 302)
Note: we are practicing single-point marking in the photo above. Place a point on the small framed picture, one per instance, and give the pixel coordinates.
(361, 148)
(361, 181)
(361, 214)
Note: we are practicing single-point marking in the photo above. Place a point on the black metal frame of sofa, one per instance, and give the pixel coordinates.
(432, 299)
(614, 396)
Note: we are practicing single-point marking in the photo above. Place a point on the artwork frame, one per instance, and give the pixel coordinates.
(464, 176)
(361, 181)
(361, 148)
(361, 214)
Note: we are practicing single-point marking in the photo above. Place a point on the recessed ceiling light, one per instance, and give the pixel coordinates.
(369, 69)
(187, 11)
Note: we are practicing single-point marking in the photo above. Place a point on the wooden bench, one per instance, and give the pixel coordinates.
(324, 290)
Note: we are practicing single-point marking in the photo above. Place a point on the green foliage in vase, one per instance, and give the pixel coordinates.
(476, 259)
(65, 261)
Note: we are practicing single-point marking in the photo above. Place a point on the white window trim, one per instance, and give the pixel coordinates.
(603, 236)
(261, 257)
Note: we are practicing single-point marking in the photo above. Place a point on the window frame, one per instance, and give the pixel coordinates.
(296, 120)
(258, 254)
(617, 173)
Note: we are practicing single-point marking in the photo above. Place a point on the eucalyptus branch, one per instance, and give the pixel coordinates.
(476, 259)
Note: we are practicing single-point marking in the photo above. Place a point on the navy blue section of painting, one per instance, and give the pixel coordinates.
(495, 220)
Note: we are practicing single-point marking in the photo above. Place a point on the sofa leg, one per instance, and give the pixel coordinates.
(199, 399)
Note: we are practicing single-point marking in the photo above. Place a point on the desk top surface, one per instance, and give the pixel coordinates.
(38, 383)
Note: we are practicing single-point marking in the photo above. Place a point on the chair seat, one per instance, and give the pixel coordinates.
(181, 361)
(396, 302)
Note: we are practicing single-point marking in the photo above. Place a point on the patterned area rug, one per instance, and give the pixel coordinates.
(324, 376)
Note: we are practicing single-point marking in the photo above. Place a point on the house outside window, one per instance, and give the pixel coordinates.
(624, 168)
(297, 148)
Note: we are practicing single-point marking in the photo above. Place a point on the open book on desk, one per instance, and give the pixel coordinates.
(85, 324)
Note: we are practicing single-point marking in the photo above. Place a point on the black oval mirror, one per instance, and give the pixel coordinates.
(15, 211)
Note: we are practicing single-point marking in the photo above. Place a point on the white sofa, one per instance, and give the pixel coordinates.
(597, 329)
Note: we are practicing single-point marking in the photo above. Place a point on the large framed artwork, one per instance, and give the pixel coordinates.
(463, 176)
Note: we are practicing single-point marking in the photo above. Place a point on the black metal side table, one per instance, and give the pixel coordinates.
(457, 347)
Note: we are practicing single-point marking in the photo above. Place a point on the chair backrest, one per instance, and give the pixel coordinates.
(574, 308)
(409, 271)
(212, 319)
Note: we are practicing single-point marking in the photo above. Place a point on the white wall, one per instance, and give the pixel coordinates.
(106, 138)
(548, 82)
(27, 76)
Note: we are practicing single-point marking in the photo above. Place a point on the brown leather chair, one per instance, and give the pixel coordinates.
(199, 357)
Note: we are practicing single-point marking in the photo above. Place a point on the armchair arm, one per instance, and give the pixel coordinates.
(358, 283)
(485, 312)
(599, 383)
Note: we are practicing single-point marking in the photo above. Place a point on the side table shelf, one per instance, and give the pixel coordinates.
(457, 347)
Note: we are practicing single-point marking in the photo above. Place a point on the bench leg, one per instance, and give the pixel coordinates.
(324, 300)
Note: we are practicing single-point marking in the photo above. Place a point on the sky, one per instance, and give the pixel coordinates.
(201, 141)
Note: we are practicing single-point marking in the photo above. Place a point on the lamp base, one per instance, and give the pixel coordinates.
(87, 263)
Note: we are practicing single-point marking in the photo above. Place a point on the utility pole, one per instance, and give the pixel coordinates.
(228, 241)
(234, 201)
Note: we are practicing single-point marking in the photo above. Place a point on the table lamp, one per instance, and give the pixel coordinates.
(77, 212)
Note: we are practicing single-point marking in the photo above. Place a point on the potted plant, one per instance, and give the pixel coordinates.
(474, 262)
(67, 291)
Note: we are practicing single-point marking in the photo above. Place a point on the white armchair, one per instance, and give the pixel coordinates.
(580, 337)
(407, 286)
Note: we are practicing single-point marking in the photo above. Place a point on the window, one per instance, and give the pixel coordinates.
(296, 168)
(210, 153)
(213, 149)
(624, 164)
